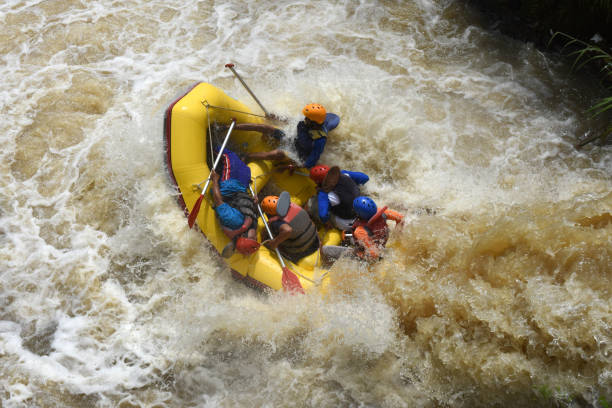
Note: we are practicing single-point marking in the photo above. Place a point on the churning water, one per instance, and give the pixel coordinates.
(496, 292)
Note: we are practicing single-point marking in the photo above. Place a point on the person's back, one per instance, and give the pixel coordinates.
(311, 135)
(346, 190)
(337, 189)
(233, 168)
(295, 233)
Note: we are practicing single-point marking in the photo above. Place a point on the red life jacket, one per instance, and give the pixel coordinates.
(376, 227)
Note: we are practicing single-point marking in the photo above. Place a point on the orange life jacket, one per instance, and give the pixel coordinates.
(376, 227)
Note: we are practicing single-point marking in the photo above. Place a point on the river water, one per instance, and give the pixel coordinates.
(495, 293)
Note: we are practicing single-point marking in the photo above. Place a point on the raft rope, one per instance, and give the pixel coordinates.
(207, 105)
(198, 187)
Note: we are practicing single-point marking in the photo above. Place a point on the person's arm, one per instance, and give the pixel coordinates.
(323, 204)
(255, 127)
(216, 191)
(284, 233)
(317, 150)
(302, 130)
(394, 216)
(357, 176)
(276, 154)
(363, 238)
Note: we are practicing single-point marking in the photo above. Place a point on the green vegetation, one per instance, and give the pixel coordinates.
(554, 397)
(576, 23)
(587, 54)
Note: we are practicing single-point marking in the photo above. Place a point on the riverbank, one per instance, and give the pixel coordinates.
(537, 23)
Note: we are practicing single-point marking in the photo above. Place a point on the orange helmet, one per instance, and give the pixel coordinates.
(314, 112)
(318, 173)
(269, 205)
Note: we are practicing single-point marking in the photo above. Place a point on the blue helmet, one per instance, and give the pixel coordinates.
(365, 207)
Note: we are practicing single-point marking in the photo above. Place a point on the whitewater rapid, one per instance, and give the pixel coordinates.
(496, 292)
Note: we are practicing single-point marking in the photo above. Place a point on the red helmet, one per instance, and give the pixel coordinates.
(318, 173)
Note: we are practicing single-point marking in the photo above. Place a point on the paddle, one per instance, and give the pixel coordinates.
(268, 114)
(196, 208)
(289, 280)
(231, 67)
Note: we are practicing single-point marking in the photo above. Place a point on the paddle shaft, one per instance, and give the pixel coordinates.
(231, 67)
(193, 215)
(263, 218)
(229, 132)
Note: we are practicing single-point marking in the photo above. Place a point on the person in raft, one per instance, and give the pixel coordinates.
(336, 191)
(295, 235)
(234, 206)
(311, 134)
(370, 231)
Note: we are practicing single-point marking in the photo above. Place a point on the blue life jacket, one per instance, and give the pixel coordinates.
(233, 168)
(304, 142)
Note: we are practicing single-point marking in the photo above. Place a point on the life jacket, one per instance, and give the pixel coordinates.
(347, 190)
(376, 227)
(233, 167)
(243, 202)
(304, 239)
(305, 139)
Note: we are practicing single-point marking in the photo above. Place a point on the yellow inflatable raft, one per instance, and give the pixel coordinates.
(187, 129)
